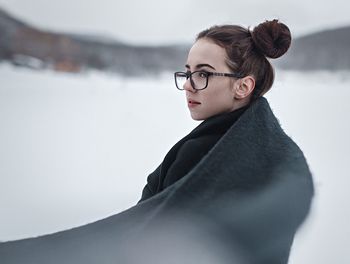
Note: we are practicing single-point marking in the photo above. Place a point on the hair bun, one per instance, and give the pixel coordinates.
(272, 38)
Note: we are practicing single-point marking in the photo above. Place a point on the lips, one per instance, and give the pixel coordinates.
(192, 103)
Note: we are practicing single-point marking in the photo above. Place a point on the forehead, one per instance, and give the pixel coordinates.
(205, 51)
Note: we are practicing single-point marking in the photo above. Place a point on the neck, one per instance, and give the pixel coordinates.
(239, 103)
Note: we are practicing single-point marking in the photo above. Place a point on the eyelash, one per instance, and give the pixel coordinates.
(197, 71)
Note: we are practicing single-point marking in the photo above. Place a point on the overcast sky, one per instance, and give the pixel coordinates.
(156, 21)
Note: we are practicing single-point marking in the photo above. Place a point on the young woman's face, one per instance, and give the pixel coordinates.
(219, 96)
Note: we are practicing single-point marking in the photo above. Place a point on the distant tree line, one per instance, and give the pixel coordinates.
(24, 45)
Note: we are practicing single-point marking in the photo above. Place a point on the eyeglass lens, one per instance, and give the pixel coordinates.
(198, 80)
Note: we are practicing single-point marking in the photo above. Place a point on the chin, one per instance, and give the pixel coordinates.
(197, 117)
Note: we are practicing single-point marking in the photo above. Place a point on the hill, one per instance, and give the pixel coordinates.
(25, 45)
(325, 50)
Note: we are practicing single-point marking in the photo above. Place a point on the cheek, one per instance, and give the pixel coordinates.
(219, 94)
(218, 90)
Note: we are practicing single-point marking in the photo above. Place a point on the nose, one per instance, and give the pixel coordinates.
(188, 86)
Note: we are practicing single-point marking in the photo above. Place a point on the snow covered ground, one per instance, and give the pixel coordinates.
(78, 148)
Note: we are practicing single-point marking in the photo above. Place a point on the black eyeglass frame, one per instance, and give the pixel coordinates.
(189, 75)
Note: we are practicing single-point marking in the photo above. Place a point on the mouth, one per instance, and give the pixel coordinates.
(192, 103)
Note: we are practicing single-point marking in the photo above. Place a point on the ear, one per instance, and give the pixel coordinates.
(244, 87)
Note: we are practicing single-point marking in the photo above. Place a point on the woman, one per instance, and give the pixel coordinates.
(227, 72)
(234, 190)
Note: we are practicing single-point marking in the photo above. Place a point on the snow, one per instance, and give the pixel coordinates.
(78, 148)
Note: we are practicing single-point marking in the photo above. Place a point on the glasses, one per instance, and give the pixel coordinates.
(198, 79)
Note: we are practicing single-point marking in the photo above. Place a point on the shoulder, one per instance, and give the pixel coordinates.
(199, 144)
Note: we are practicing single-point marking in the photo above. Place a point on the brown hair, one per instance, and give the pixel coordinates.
(248, 50)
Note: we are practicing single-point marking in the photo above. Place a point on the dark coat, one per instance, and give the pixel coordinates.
(186, 153)
(241, 203)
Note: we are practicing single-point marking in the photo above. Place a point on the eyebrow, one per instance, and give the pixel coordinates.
(201, 65)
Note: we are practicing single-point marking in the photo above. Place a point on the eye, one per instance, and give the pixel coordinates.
(203, 74)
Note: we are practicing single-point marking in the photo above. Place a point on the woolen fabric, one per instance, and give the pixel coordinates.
(241, 203)
(187, 152)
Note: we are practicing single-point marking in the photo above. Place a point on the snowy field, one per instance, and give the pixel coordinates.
(78, 148)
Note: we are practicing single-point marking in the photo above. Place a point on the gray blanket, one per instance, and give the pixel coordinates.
(242, 203)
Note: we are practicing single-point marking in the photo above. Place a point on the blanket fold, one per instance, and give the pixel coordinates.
(242, 203)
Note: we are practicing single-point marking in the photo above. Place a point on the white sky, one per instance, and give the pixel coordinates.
(156, 21)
